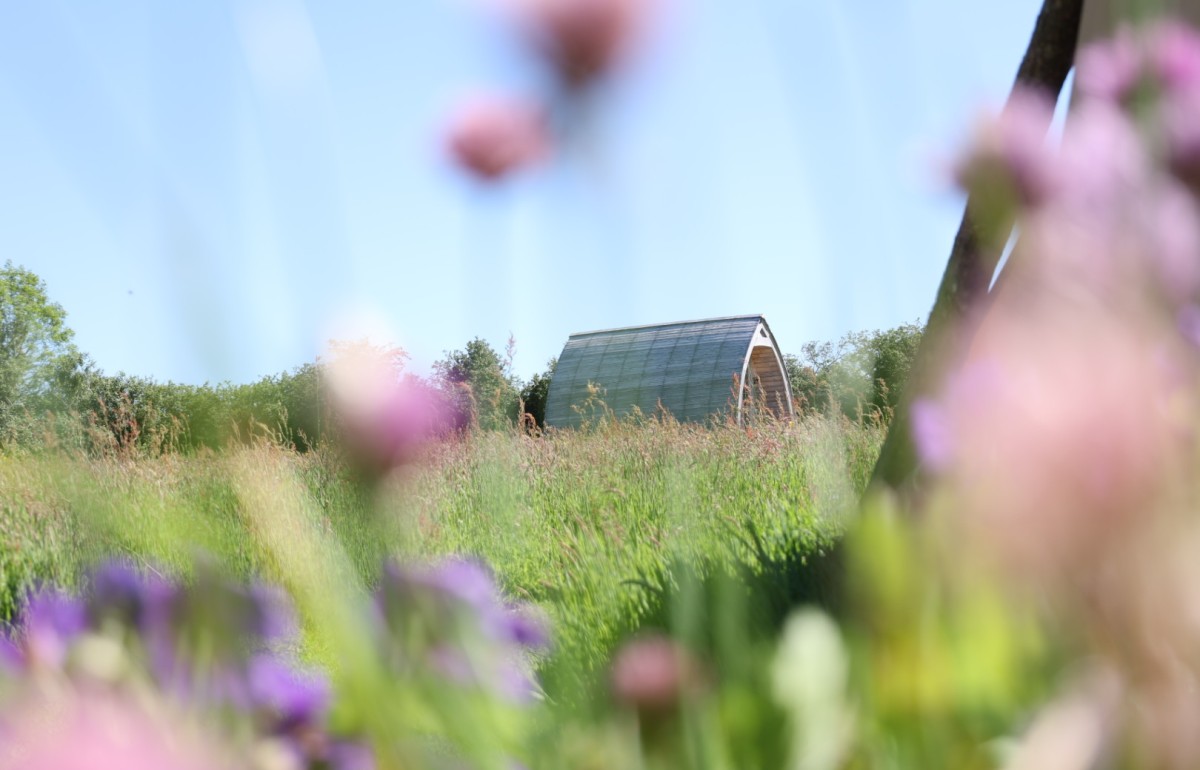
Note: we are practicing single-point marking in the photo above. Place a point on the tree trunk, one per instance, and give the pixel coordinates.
(969, 271)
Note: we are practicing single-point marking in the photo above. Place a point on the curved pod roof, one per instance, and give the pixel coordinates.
(692, 368)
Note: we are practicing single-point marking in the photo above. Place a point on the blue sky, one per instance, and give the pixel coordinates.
(212, 187)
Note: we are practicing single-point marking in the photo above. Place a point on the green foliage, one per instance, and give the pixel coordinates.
(51, 395)
(287, 407)
(97, 413)
(537, 390)
(37, 359)
(862, 375)
(480, 385)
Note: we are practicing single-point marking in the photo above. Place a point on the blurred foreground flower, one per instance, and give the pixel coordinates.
(1163, 56)
(84, 729)
(580, 42)
(1063, 445)
(654, 675)
(52, 619)
(450, 619)
(222, 651)
(209, 649)
(384, 416)
(492, 136)
(582, 39)
(1062, 429)
(1054, 438)
(1010, 162)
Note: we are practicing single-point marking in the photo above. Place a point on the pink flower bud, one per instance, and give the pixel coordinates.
(384, 416)
(492, 136)
(583, 39)
(653, 675)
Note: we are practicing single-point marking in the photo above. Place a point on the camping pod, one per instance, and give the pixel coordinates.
(691, 369)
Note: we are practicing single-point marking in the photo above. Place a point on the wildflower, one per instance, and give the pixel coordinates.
(493, 136)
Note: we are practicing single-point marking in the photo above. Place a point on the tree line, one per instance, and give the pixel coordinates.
(51, 393)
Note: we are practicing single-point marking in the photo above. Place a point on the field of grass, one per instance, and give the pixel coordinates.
(593, 526)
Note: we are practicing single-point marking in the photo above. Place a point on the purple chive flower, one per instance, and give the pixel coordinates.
(1052, 465)
(275, 617)
(12, 659)
(452, 586)
(237, 618)
(51, 620)
(118, 592)
(464, 579)
(294, 698)
(473, 585)
(457, 603)
(514, 682)
(348, 755)
(526, 628)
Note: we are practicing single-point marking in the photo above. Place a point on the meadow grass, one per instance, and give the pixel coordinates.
(593, 525)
